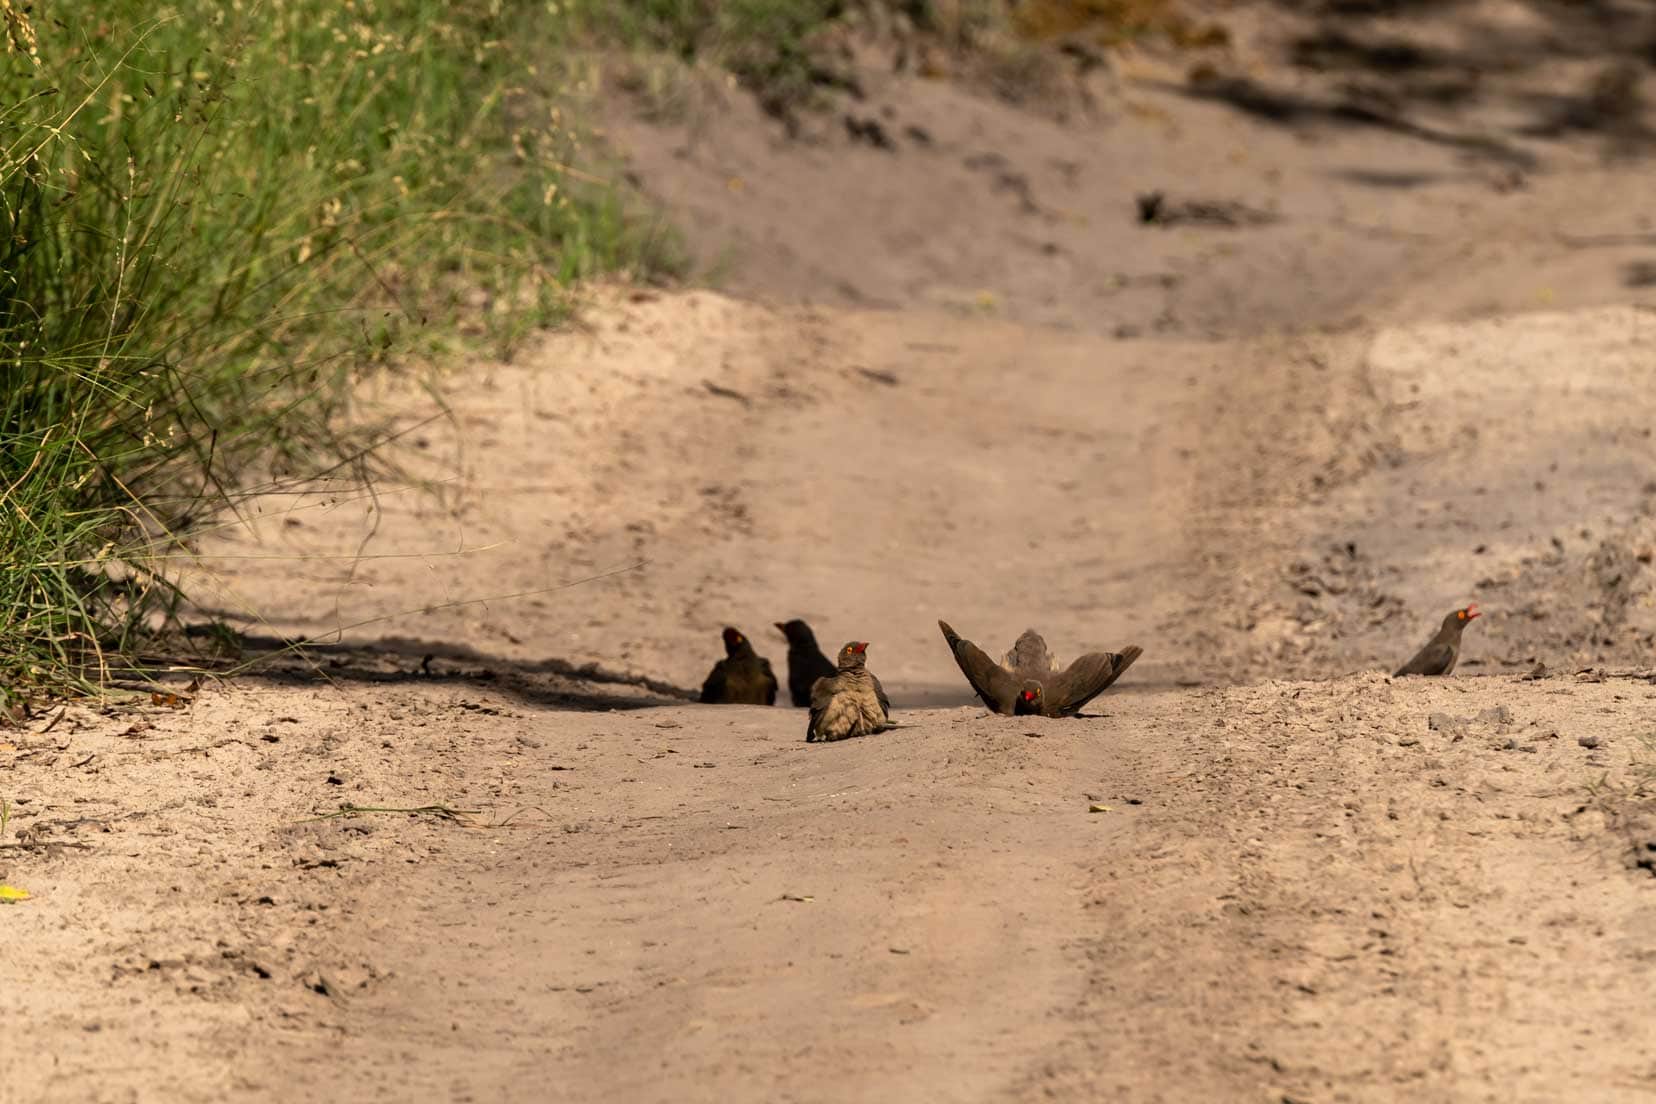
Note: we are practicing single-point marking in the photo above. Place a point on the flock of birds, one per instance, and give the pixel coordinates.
(846, 700)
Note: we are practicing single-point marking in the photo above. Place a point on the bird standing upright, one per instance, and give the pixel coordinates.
(1028, 679)
(851, 702)
(1442, 652)
(806, 663)
(742, 677)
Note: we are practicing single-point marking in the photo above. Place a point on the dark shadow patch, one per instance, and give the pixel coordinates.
(1445, 92)
(1381, 8)
(1391, 69)
(552, 683)
(1249, 97)
(1330, 48)
(1639, 274)
(1293, 109)
(1611, 104)
(1156, 209)
(1382, 178)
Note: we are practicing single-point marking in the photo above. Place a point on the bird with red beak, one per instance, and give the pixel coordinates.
(849, 703)
(1442, 652)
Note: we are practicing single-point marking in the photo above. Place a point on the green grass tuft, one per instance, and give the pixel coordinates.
(216, 217)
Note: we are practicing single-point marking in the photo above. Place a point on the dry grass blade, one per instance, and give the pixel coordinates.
(514, 814)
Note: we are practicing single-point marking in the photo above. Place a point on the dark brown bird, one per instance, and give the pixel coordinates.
(742, 677)
(1442, 652)
(806, 663)
(1028, 679)
(850, 702)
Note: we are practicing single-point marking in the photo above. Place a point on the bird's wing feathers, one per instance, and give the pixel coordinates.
(1029, 656)
(771, 684)
(822, 693)
(714, 688)
(993, 683)
(1433, 659)
(879, 692)
(1123, 660)
(1086, 678)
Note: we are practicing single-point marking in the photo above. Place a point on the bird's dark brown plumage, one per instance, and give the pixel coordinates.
(1442, 652)
(1028, 680)
(992, 682)
(742, 677)
(806, 663)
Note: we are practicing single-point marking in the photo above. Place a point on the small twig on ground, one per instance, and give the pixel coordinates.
(726, 392)
(441, 812)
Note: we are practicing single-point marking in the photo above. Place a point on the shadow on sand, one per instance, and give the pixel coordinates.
(1355, 63)
(550, 683)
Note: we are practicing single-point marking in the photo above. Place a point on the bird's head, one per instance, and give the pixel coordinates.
(1029, 698)
(796, 632)
(854, 654)
(733, 641)
(1460, 617)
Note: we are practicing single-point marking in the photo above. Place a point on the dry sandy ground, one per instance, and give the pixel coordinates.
(1304, 882)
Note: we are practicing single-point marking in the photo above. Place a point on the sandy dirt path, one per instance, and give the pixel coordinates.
(1273, 455)
(1306, 891)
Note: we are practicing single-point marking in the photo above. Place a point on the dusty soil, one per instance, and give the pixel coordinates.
(1273, 454)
